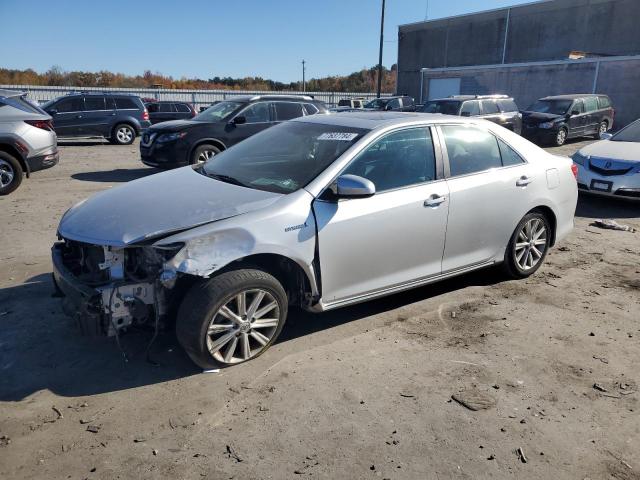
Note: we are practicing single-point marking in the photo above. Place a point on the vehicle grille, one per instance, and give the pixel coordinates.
(608, 172)
(83, 261)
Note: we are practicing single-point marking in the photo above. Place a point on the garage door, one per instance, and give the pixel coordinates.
(443, 87)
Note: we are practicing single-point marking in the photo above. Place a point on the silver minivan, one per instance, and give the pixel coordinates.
(319, 212)
(27, 140)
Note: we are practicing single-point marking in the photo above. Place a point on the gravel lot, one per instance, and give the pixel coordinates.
(363, 392)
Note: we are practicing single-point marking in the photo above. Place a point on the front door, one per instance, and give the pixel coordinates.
(257, 118)
(369, 245)
(67, 116)
(578, 119)
(490, 187)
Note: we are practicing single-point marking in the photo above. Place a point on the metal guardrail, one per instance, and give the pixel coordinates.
(195, 97)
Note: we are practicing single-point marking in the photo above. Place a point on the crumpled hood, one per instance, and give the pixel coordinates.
(158, 205)
(629, 151)
(537, 117)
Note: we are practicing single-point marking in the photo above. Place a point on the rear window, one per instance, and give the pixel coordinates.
(311, 109)
(181, 107)
(489, 106)
(22, 103)
(604, 102)
(507, 105)
(124, 103)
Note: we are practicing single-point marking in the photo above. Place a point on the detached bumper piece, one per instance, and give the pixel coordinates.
(108, 306)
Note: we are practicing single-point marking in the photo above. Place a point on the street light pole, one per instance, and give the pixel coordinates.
(380, 57)
(304, 82)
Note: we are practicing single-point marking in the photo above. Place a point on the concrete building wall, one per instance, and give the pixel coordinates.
(546, 30)
(618, 78)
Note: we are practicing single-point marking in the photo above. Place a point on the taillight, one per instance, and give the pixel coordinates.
(574, 170)
(43, 124)
(145, 115)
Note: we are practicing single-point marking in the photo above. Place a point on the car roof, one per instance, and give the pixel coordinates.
(115, 94)
(253, 98)
(572, 96)
(370, 120)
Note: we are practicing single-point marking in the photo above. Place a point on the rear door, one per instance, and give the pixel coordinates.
(182, 111)
(491, 111)
(490, 188)
(95, 115)
(593, 115)
(166, 112)
(284, 111)
(67, 115)
(394, 237)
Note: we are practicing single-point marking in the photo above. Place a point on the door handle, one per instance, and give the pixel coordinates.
(523, 181)
(434, 200)
(78, 116)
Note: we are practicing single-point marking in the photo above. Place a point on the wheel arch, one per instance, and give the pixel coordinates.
(550, 215)
(213, 141)
(14, 152)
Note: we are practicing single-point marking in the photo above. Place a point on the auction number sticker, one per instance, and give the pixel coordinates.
(340, 136)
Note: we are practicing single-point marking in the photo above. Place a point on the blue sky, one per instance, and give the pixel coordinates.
(200, 38)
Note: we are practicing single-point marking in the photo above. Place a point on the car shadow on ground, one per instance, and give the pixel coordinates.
(88, 142)
(40, 349)
(120, 175)
(592, 206)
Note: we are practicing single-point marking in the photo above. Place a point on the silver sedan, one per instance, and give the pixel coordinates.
(611, 166)
(319, 212)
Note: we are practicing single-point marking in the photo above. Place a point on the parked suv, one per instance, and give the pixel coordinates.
(183, 142)
(163, 111)
(116, 117)
(27, 140)
(351, 103)
(500, 109)
(555, 119)
(400, 103)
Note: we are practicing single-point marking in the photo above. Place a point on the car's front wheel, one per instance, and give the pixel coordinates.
(528, 246)
(10, 173)
(602, 128)
(561, 137)
(203, 153)
(231, 318)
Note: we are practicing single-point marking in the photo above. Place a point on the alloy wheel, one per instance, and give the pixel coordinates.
(124, 134)
(531, 244)
(205, 155)
(603, 128)
(561, 137)
(243, 327)
(6, 173)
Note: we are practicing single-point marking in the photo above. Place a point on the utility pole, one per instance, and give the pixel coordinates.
(304, 82)
(380, 57)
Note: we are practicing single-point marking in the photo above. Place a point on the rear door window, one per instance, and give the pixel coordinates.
(182, 108)
(507, 105)
(287, 110)
(407, 101)
(470, 149)
(591, 104)
(124, 103)
(69, 105)
(472, 108)
(311, 109)
(604, 102)
(489, 107)
(92, 103)
(166, 108)
(110, 103)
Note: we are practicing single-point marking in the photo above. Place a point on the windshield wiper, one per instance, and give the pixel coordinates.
(226, 179)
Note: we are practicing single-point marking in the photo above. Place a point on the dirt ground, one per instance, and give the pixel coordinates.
(362, 392)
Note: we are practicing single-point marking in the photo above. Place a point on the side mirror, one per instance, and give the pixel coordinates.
(575, 112)
(52, 112)
(465, 114)
(606, 136)
(239, 120)
(353, 186)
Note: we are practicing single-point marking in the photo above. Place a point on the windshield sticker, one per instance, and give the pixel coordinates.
(340, 136)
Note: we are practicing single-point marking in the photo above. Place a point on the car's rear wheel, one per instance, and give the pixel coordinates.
(561, 137)
(528, 246)
(123, 134)
(203, 153)
(231, 318)
(10, 173)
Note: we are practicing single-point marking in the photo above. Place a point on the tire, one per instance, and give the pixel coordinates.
(203, 152)
(200, 313)
(10, 173)
(602, 128)
(561, 137)
(123, 134)
(517, 264)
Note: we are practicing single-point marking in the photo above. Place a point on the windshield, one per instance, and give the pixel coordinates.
(445, 107)
(217, 112)
(631, 133)
(554, 107)
(283, 158)
(377, 103)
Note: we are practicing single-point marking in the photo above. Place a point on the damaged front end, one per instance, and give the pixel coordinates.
(109, 289)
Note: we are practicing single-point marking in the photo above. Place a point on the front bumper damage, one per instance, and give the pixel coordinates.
(102, 296)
